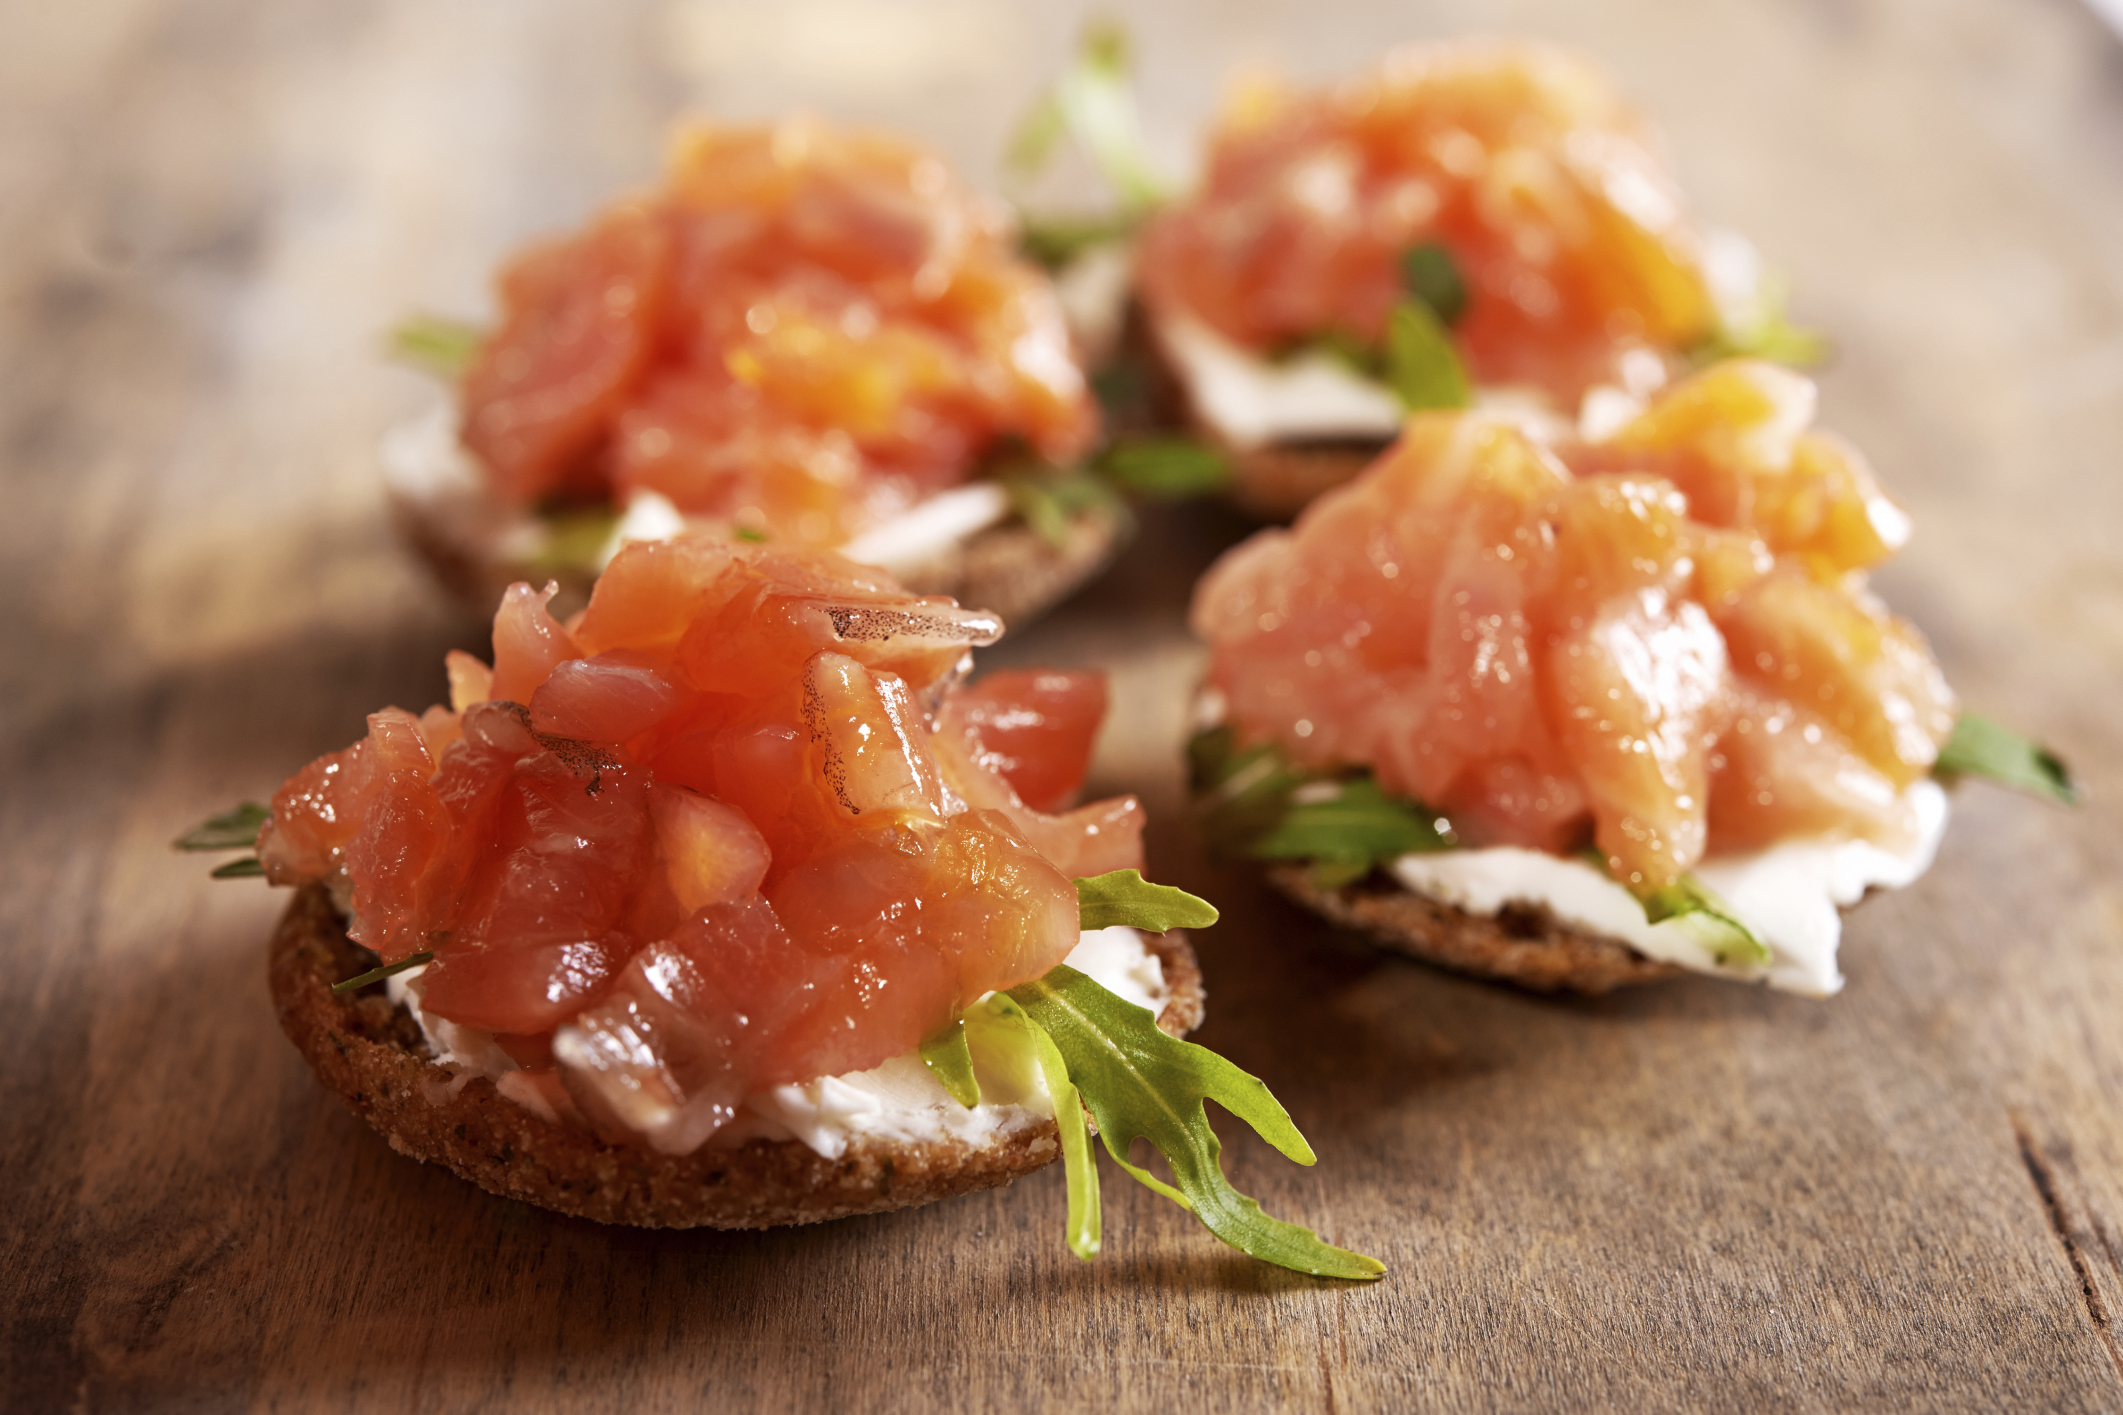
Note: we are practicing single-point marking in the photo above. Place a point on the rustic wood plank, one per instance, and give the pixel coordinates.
(1911, 1196)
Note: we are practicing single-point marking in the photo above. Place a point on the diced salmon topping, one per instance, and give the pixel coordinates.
(1521, 162)
(801, 332)
(684, 853)
(1555, 647)
(1033, 728)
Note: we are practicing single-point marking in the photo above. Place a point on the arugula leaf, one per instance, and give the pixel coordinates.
(1143, 1084)
(1240, 795)
(1422, 368)
(574, 537)
(234, 829)
(1125, 388)
(1731, 942)
(1361, 359)
(1418, 362)
(999, 1024)
(433, 344)
(1348, 820)
(1255, 802)
(1980, 747)
(949, 1058)
(1124, 899)
(246, 868)
(1038, 133)
(1049, 504)
(1093, 102)
(377, 975)
(1768, 335)
(1054, 241)
(1433, 276)
(1168, 468)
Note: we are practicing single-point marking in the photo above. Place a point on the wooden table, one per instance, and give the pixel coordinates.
(1696, 1194)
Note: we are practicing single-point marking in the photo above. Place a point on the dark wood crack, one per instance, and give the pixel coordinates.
(2044, 1179)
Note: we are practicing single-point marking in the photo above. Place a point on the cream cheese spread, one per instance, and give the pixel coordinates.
(897, 1101)
(1248, 401)
(426, 467)
(1788, 896)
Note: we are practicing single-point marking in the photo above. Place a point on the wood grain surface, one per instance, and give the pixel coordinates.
(1698, 1194)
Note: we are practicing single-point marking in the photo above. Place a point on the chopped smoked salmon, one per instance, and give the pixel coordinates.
(737, 823)
(800, 332)
(1660, 643)
(1521, 162)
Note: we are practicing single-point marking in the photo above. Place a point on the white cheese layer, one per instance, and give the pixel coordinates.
(1248, 401)
(1787, 895)
(897, 1101)
(426, 467)
(930, 527)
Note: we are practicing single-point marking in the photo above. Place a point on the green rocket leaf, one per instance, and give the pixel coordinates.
(1422, 367)
(1124, 899)
(1143, 1084)
(377, 975)
(1054, 241)
(438, 346)
(1348, 820)
(1731, 942)
(999, 1026)
(1979, 747)
(1253, 801)
(574, 538)
(1167, 468)
(1093, 102)
(1433, 276)
(234, 829)
(1051, 502)
(1765, 332)
(950, 1060)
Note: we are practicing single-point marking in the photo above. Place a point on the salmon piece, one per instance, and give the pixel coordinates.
(930, 916)
(666, 1054)
(471, 681)
(580, 321)
(773, 618)
(1510, 800)
(1735, 440)
(731, 828)
(1520, 161)
(1781, 773)
(527, 988)
(712, 853)
(609, 698)
(313, 817)
(1090, 840)
(801, 332)
(1034, 728)
(401, 832)
(659, 589)
(1339, 618)
(1865, 672)
(1555, 646)
(1635, 696)
(528, 643)
(868, 746)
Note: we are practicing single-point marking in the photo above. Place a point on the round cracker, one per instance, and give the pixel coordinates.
(1008, 569)
(1523, 944)
(371, 1053)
